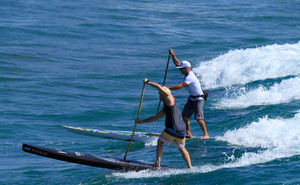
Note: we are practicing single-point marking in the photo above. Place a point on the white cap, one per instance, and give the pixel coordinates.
(184, 64)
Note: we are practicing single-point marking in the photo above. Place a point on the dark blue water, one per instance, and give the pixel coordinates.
(81, 63)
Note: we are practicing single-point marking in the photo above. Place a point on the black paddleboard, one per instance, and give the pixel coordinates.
(91, 160)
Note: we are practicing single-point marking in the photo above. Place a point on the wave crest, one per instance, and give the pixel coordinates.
(246, 65)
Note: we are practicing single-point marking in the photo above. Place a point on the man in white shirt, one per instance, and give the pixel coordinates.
(195, 100)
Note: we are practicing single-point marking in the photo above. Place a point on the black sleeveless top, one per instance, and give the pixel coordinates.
(174, 119)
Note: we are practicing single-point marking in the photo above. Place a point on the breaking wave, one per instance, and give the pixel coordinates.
(247, 65)
(283, 92)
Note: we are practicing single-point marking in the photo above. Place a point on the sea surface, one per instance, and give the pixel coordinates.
(82, 63)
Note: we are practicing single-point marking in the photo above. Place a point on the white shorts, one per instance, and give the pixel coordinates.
(167, 141)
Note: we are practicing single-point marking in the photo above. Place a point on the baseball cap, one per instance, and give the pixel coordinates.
(184, 64)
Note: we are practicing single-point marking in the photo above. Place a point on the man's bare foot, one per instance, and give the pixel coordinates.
(204, 137)
(156, 165)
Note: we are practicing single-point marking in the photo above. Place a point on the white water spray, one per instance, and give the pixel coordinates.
(246, 65)
(283, 92)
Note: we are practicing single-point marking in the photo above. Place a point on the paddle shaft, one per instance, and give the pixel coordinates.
(166, 72)
(138, 115)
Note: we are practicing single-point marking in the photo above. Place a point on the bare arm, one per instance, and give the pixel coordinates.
(152, 118)
(178, 86)
(175, 60)
(157, 86)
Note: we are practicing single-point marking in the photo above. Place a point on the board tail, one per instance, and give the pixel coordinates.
(90, 159)
(68, 156)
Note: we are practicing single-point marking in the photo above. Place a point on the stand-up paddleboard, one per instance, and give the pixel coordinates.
(143, 137)
(91, 160)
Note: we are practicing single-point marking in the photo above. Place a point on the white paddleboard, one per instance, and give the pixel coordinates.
(143, 137)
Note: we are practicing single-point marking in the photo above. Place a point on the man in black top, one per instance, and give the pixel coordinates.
(175, 127)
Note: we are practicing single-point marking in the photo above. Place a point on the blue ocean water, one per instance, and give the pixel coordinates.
(81, 63)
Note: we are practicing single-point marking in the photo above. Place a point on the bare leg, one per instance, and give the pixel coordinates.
(203, 127)
(188, 130)
(159, 150)
(186, 157)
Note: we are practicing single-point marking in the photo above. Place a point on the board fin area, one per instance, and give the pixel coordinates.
(91, 160)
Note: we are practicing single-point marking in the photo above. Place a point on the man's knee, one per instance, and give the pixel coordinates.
(182, 149)
(159, 142)
(200, 121)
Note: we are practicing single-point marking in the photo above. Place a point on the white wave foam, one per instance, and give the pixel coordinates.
(247, 159)
(244, 66)
(165, 173)
(280, 138)
(267, 133)
(284, 92)
(152, 143)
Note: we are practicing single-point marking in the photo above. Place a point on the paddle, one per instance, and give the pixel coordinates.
(164, 79)
(138, 115)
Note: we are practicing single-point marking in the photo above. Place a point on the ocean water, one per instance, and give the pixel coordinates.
(81, 63)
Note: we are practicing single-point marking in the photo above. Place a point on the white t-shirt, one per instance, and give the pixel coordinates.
(194, 87)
